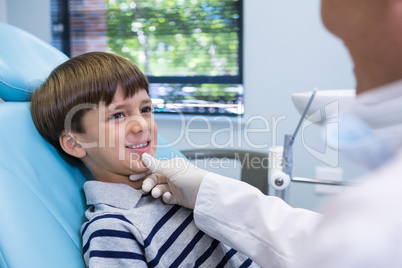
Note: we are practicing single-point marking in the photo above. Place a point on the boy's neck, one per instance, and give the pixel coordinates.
(124, 180)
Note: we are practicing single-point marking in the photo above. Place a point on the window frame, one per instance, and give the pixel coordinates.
(185, 81)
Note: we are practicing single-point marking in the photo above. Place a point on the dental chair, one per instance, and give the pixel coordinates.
(42, 203)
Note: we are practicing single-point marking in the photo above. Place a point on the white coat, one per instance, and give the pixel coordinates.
(362, 227)
(262, 227)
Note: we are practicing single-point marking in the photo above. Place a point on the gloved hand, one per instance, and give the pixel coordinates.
(178, 180)
(139, 176)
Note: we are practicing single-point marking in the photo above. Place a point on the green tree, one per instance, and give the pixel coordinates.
(176, 38)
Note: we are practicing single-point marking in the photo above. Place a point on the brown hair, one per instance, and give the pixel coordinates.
(88, 78)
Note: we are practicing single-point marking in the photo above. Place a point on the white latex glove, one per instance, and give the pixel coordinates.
(152, 179)
(179, 184)
(139, 176)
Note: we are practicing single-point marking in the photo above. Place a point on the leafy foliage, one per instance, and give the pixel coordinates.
(176, 38)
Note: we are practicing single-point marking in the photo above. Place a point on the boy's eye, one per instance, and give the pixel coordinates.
(117, 116)
(146, 110)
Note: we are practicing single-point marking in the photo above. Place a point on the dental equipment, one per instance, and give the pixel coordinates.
(280, 173)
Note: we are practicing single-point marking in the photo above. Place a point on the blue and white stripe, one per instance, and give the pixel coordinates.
(152, 234)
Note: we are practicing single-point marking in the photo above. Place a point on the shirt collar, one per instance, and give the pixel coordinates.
(112, 194)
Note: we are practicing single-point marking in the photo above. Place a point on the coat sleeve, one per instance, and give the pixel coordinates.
(262, 227)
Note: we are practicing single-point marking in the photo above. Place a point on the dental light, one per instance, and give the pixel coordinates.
(312, 105)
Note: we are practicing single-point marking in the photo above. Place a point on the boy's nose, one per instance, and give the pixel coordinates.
(136, 126)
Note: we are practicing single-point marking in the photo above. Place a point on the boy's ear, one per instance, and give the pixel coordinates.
(70, 145)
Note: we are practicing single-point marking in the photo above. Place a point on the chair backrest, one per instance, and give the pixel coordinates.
(41, 199)
(25, 62)
(254, 165)
(41, 202)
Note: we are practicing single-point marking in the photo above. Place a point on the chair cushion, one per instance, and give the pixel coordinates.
(25, 63)
(41, 201)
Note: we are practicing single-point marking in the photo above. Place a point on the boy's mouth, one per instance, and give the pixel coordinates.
(139, 148)
(136, 146)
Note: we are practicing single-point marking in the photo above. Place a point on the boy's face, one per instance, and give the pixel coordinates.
(117, 135)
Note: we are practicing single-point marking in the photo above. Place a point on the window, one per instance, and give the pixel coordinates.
(190, 50)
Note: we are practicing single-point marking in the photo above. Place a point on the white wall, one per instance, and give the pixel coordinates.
(3, 11)
(32, 16)
(286, 50)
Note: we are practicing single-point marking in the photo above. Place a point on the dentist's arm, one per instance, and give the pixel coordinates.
(264, 228)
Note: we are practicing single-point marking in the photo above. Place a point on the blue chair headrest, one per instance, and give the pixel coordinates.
(25, 63)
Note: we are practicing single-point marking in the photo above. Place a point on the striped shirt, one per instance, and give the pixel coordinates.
(127, 228)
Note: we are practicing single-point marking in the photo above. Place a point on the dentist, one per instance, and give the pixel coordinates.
(362, 227)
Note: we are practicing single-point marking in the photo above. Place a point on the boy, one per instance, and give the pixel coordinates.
(96, 107)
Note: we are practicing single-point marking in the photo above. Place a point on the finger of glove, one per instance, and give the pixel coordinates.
(152, 181)
(151, 162)
(136, 177)
(159, 190)
(168, 198)
(149, 183)
(171, 168)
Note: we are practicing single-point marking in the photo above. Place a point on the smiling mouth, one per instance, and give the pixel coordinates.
(139, 145)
